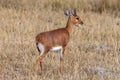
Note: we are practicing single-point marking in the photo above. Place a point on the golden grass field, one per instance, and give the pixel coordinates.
(93, 52)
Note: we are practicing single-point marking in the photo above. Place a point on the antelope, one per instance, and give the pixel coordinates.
(56, 40)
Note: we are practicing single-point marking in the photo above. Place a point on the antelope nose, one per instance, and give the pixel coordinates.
(81, 22)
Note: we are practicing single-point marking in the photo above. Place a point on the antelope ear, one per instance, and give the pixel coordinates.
(75, 12)
(67, 12)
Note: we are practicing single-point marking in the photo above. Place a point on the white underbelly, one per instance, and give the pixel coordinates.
(57, 48)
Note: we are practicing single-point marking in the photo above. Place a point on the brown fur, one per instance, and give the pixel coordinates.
(58, 37)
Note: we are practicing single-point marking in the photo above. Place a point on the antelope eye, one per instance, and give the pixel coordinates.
(77, 18)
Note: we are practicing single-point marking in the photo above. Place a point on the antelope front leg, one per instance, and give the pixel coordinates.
(61, 65)
(62, 60)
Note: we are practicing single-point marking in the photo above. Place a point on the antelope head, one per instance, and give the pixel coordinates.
(75, 19)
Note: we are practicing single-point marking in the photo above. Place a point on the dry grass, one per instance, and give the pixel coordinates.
(92, 53)
(109, 6)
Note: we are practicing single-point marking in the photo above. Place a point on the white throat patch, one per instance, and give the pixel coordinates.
(79, 25)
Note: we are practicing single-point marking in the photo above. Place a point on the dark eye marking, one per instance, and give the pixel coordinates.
(77, 18)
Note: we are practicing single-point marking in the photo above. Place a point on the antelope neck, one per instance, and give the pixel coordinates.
(69, 25)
